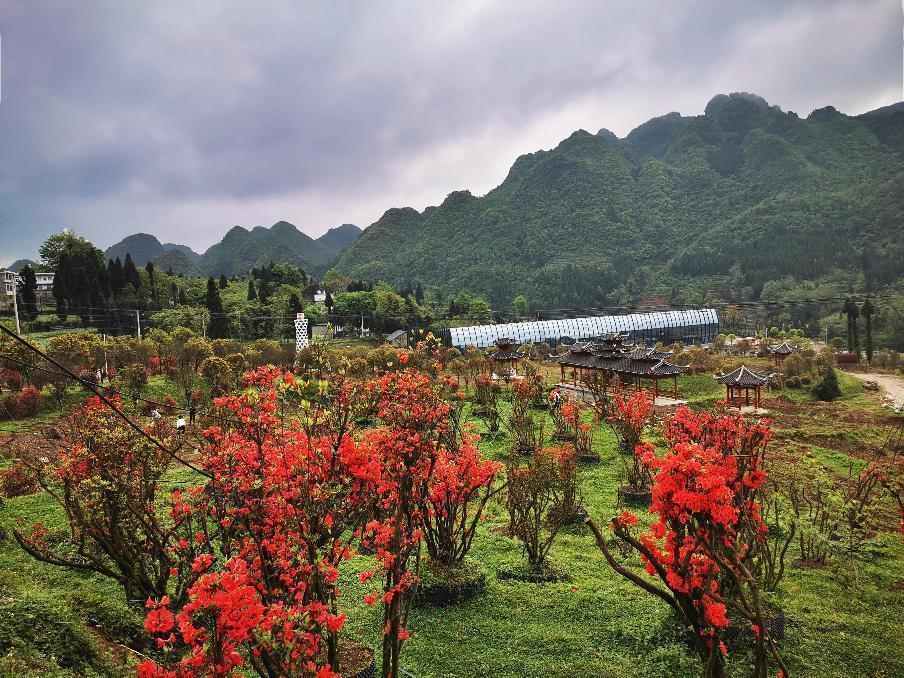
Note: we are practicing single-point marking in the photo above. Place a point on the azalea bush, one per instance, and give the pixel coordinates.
(578, 431)
(532, 491)
(27, 403)
(288, 488)
(106, 477)
(526, 434)
(405, 450)
(460, 487)
(629, 418)
(558, 413)
(701, 548)
(568, 508)
(486, 391)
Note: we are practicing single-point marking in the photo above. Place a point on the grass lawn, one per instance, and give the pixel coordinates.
(844, 620)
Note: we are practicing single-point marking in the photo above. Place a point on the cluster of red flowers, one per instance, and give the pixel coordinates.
(630, 417)
(706, 508)
(290, 488)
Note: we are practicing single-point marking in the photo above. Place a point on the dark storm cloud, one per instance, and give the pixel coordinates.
(181, 119)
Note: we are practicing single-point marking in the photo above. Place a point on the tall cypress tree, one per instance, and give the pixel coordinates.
(131, 273)
(117, 276)
(252, 292)
(219, 323)
(150, 268)
(27, 289)
(295, 304)
(60, 291)
(419, 293)
(223, 282)
(867, 311)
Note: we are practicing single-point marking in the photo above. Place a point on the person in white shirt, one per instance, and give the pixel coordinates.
(180, 424)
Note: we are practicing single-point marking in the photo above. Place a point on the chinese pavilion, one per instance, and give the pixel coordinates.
(742, 381)
(621, 366)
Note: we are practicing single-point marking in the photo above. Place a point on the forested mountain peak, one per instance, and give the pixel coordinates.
(686, 207)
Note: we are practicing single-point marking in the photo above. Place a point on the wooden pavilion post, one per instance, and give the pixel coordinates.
(758, 396)
(655, 389)
(562, 368)
(675, 387)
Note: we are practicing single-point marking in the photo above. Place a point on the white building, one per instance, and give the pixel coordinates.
(319, 297)
(8, 280)
(45, 281)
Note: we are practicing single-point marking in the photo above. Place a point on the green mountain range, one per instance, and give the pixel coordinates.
(240, 250)
(682, 208)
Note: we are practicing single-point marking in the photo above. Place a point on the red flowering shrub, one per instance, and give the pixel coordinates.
(527, 435)
(18, 480)
(106, 480)
(27, 403)
(579, 432)
(12, 378)
(847, 358)
(288, 490)
(460, 487)
(406, 450)
(154, 365)
(486, 396)
(629, 418)
(705, 537)
(567, 508)
(533, 490)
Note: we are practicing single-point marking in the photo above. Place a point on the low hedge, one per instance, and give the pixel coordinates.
(449, 584)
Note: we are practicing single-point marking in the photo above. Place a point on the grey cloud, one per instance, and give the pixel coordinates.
(136, 116)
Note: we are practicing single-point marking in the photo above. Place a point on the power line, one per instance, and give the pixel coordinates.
(104, 400)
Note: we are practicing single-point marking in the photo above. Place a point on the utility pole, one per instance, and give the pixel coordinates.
(16, 306)
(138, 320)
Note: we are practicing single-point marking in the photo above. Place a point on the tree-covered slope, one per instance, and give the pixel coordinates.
(142, 247)
(340, 237)
(745, 188)
(241, 250)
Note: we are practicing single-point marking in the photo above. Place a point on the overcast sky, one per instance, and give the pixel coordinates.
(182, 119)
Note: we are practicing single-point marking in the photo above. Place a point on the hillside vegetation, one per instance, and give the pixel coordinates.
(690, 209)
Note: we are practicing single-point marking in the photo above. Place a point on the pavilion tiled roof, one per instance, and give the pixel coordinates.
(506, 349)
(783, 349)
(642, 362)
(743, 376)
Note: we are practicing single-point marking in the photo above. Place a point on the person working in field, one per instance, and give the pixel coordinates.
(180, 424)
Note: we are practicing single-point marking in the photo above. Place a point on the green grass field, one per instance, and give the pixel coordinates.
(844, 620)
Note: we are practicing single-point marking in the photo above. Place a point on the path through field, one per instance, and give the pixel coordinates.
(888, 383)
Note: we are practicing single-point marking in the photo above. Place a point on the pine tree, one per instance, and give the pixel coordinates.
(131, 273)
(117, 276)
(419, 294)
(150, 269)
(868, 310)
(27, 291)
(828, 389)
(252, 293)
(183, 297)
(295, 304)
(223, 282)
(328, 302)
(264, 292)
(60, 292)
(219, 323)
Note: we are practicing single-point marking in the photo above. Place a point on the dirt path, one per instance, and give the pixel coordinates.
(888, 383)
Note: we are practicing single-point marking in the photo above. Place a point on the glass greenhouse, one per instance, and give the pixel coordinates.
(691, 327)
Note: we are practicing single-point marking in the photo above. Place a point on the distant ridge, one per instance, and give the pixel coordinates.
(240, 250)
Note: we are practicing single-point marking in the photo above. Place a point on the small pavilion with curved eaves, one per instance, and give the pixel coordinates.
(740, 383)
